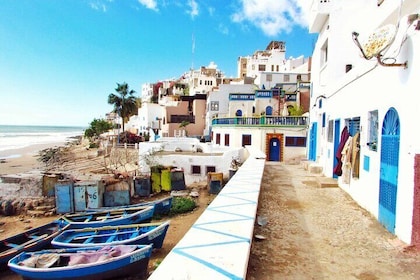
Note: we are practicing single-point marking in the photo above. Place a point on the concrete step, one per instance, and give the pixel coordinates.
(326, 182)
(312, 167)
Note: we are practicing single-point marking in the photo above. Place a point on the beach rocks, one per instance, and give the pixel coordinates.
(34, 207)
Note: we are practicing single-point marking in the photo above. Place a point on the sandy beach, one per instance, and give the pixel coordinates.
(24, 159)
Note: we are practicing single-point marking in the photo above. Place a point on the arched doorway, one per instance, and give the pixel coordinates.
(388, 180)
(238, 113)
(274, 144)
(269, 110)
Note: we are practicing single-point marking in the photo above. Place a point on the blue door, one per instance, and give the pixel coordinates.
(337, 136)
(274, 149)
(269, 110)
(64, 198)
(312, 141)
(388, 181)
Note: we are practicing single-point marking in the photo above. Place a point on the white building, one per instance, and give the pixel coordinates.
(218, 101)
(363, 126)
(271, 60)
(146, 92)
(203, 80)
(149, 119)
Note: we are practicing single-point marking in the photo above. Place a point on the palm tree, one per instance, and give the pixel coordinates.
(125, 103)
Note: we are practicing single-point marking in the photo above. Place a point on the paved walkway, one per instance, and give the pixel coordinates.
(321, 233)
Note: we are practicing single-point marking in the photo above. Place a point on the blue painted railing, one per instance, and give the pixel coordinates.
(263, 120)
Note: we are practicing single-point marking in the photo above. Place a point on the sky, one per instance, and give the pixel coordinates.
(60, 59)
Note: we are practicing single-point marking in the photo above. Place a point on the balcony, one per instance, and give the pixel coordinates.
(261, 121)
(181, 118)
(320, 11)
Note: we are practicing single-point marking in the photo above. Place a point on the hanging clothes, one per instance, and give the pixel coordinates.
(344, 136)
(346, 160)
(355, 159)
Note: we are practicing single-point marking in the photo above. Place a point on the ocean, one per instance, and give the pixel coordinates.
(14, 137)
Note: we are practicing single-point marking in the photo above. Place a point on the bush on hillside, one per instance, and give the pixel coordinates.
(130, 138)
(182, 205)
(97, 127)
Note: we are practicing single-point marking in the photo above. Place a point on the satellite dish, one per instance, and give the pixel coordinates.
(379, 41)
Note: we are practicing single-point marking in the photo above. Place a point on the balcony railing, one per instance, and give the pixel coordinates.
(262, 121)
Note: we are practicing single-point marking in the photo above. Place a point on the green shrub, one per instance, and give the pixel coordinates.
(182, 205)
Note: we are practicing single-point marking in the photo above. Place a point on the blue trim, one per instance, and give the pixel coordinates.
(240, 238)
(208, 264)
(366, 163)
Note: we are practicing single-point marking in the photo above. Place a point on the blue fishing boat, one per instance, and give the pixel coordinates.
(111, 217)
(30, 240)
(162, 206)
(83, 263)
(135, 234)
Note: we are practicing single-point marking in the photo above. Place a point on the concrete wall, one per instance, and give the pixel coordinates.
(212, 155)
(258, 138)
(218, 245)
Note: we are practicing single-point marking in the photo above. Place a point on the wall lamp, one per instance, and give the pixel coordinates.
(318, 98)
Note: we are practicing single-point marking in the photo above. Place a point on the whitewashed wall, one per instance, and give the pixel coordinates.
(367, 87)
(212, 155)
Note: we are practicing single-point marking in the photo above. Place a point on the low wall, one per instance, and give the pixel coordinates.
(219, 243)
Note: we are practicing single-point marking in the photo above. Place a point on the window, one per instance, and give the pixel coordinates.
(214, 105)
(330, 131)
(272, 68)
(324, 53)
(261, 67)
(295, 141)
(218, 138)
(210, 169)
(246, 140)
(196, 169)
(269, 77)
(353, 125)
(277, 68)
(227, 139)
(286, 78)
(373, 130)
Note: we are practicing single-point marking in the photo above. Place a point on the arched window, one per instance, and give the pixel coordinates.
(269, 110)
(239, 113)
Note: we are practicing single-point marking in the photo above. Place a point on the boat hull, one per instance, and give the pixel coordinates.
(162, 206)
(136, 234)
(134, 263)
(126, 216)
(31, 240)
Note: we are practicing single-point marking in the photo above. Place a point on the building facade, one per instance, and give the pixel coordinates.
(363, 126)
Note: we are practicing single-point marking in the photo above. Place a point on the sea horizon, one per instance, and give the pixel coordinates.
(15, 137)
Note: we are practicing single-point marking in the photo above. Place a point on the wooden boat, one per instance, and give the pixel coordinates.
(30, 240)
(83, 263)
(112, 217)
(162, 206)
(145, 233)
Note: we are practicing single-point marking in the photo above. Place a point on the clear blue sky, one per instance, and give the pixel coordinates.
(59, 60)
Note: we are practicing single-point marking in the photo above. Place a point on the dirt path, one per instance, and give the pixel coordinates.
(321, 233)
